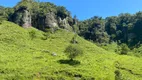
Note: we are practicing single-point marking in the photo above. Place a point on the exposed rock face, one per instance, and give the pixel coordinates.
(22, 17)
(63, 23)
(50, 21)
(26, 19)
(38, 22)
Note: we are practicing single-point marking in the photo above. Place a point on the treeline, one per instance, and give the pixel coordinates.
(124, 28)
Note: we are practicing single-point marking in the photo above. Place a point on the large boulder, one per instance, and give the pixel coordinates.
(51, 21)
(63, 23)
(22, 17)
(26, 19)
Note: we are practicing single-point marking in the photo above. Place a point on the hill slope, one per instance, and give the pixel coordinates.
(26, 54)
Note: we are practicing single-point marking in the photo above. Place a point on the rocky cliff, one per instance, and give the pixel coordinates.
(42, 16)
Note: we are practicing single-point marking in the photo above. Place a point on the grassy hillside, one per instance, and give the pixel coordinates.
(26, 54)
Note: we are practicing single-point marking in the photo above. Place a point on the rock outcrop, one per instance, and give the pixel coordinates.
(51, 21)
(22, 17)
(63, 23)
(26, 19)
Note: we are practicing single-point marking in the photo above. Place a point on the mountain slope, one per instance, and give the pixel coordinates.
(26, 54)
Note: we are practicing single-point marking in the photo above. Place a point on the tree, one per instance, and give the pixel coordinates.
(39, 13)
(111, 27)
(72, 51)
(124, 49)
(24, 4)
(62, 12)
(118, 75)
(3, 14)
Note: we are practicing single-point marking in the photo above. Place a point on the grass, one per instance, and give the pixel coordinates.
(23, 57)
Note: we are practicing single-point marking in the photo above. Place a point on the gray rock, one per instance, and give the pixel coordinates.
(22, 17)
(54, 54)
(26, 19)
(50, 21)
(63, 23)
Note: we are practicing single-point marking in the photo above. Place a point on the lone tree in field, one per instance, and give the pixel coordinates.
(72, 51)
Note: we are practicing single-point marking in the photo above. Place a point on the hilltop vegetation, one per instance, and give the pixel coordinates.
(41, 15)
(124, 28)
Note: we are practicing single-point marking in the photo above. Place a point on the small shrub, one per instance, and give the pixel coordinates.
(74, 39)
(72, 51)
(124, 49)
(32, 34)
(118, 75)
(45, 36)
(70, 62)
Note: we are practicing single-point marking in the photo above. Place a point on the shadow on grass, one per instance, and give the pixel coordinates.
(69, 62)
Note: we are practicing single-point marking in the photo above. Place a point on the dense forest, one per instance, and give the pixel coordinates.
(124, 28)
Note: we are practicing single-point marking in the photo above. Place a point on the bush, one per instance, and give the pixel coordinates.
(62, 12)
(74, 39)
(118, 75)
(124, 49)
(32, 34)
(72, 51)
(45, 36)
(137, 51)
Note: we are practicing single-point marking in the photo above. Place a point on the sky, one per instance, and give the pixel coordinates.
(85, 9)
